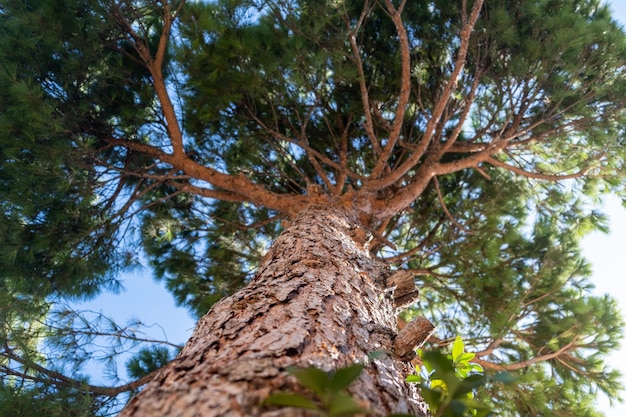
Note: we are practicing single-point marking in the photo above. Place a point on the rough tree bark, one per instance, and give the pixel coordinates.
(318, 299)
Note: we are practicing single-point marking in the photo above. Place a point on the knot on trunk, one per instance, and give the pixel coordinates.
(411, 337)
(401, 288)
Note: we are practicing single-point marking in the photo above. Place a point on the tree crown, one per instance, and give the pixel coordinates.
(469, 137)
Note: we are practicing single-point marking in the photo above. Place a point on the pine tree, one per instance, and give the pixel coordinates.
(465, 142)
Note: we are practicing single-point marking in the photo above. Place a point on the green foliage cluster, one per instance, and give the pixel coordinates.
(526, 285)
(448, 382)
(148, 360)
(329, 389)
(43, 401)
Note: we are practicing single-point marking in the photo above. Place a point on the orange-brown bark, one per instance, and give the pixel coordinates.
(317, 300)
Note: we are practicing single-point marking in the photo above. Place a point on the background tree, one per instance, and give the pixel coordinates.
(469, 139)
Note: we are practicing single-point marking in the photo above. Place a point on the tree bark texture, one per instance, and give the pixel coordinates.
(317, 300)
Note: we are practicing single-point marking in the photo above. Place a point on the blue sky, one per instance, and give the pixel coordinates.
(152, 304)
(606, 253)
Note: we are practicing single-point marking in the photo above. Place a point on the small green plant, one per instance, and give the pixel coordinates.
(329, 389)
(447, 382)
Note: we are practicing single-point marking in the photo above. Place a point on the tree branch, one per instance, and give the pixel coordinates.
(369, 125)
(237, 185)
(305, 147)
(417, 248)
(59, 379)
(405, 89)
(155, 66)
(522, 364)
(440, 106)
(467, 105)
(207, 192)
(342, 173)
(445, 208)
(536, 175)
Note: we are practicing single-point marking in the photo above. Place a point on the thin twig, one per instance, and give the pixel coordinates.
(445, 209)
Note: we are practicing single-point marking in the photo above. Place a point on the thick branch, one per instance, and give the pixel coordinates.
(405, 89)
(440, 106)
(402, 199)
(155, 66)
(411, 337)
(484, 153)
(207, 192)
(472, 160)
(467, 105)
(239, 187)
(343, 159)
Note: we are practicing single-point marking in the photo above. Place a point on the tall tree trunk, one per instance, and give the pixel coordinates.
(315, 301)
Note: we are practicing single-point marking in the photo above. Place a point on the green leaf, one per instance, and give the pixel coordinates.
(343, 405)
(314, 379)
(438, 384)
(433, 397)
(470, 383)
(462, 371)
(466, 357)
(458, 348)
(474, 367)
(287, 399)
(343, 377)
(469, 404)
(438, 361)
(414, 378)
